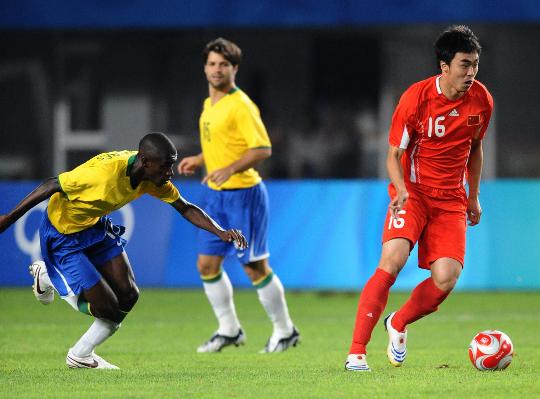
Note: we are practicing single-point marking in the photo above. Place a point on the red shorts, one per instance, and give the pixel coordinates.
(436, 218)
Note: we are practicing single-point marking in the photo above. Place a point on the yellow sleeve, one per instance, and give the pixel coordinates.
(78, 180)
(167, 193)
(251, 127)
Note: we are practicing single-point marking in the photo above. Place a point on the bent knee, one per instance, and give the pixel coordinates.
(446, 284)
(392, 263)
(394, 255)
(257, 270)
(109, 310)
(445, 273)
(208, 269)
(128, 298)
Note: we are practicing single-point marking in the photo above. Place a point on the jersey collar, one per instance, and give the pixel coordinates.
(131, 161)
(438, 84)
(441, 94)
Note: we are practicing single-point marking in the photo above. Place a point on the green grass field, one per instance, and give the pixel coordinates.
(155, 349)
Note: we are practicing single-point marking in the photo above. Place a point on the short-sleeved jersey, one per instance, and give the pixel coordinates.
(98, 187)
(437, 133)
(228, 129)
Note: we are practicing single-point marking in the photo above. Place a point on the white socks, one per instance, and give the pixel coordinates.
(72, 301)
(98, 332)
(272, 297)
(220, 296)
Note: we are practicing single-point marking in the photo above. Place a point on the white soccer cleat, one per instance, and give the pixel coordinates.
(356, 363)
(276, 344)
(217, 342)
(91, 361)
(397, 342)
(43, 289)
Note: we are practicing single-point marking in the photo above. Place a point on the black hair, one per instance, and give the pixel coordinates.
(455, 39)
(156, 146)
(229, 50)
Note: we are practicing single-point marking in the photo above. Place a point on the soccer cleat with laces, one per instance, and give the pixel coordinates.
(397, 342)
(274, 345)
(91, 361)
(217, 342)
(43, 289)
(356, 363)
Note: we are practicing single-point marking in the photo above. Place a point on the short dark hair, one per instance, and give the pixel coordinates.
(455, 39)
(156, 146)
(229, 50)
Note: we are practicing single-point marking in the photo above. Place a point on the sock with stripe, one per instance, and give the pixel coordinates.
(272, 297)
(424, 299)
(83, 306)
(79, 304)
(372, 302)
(219, 291)
(98, 332)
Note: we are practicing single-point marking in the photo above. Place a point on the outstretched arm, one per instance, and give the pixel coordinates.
(251, 158)
(200, 219)
(41, 193)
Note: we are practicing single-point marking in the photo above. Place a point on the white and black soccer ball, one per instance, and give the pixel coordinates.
(491, 350)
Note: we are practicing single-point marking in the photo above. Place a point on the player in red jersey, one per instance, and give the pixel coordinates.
(435, 147)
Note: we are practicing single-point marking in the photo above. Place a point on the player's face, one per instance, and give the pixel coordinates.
(160, 171)
(462, 70)
(220, 73)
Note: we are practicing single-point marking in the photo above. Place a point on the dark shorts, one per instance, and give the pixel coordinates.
(73, 260)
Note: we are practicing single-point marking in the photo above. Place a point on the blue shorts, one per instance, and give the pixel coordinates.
(73, 260)
(243, 209)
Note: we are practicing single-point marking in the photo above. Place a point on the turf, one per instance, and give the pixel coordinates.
(155, 349)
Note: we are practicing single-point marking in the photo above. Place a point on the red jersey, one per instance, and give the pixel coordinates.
(437, 132)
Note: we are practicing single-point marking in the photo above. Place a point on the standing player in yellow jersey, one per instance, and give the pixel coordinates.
(83, 253)
(234, 140)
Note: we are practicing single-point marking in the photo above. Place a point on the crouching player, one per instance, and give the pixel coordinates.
(83, 252)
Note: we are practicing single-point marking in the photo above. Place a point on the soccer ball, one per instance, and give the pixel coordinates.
(491, 350)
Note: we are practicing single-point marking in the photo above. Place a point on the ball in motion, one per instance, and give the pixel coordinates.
(491, 350)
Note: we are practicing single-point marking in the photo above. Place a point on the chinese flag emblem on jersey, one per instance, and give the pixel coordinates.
(473, 120)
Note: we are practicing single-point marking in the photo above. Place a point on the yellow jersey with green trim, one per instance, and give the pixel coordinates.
(228, 129)
(98, 187)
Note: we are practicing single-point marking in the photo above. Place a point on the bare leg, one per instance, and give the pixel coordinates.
(119, 275)
(110, 300)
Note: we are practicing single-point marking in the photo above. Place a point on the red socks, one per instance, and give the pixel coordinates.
(372, 302)
(424, 299)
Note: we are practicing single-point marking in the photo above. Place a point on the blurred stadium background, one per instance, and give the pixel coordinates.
(78, 78)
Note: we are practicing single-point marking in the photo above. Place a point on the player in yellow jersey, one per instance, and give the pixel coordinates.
(234, 140)
(83, 252)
